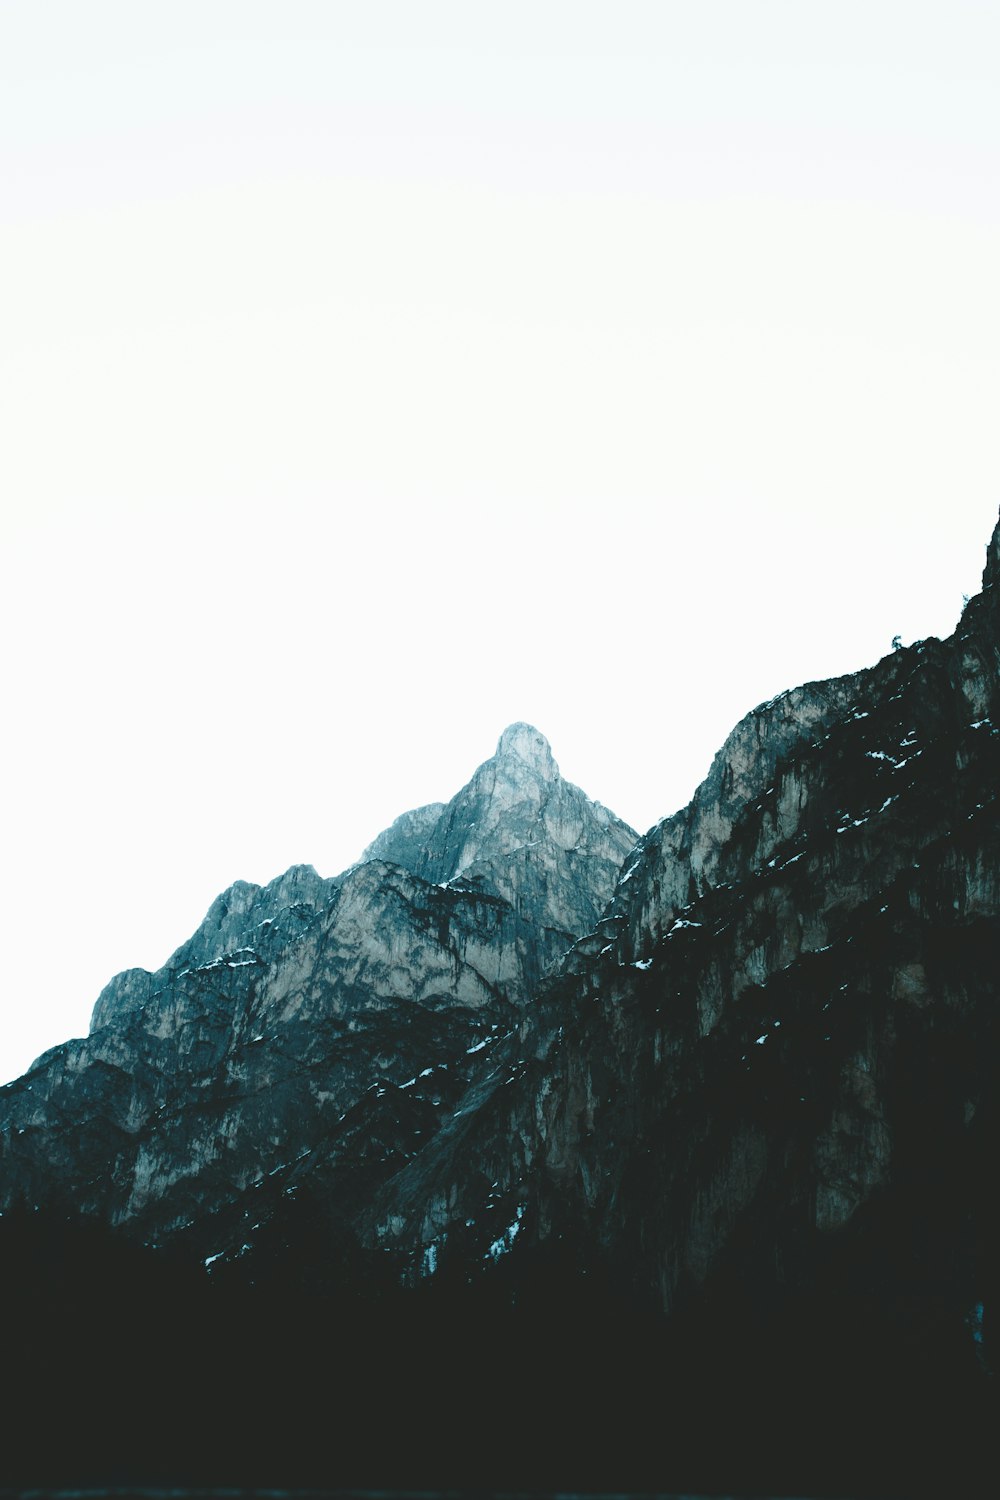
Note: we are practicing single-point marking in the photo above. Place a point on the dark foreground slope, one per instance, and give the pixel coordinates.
(715, 1208)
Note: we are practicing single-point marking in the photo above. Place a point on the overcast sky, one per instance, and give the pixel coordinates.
(376, 373)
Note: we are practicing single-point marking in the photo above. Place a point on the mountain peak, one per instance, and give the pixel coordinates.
(524, 742)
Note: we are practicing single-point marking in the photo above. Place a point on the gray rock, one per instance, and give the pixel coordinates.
(518, 830)
(298, 1004)
(242, 919)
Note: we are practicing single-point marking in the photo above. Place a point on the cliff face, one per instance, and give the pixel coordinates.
(780, 1043)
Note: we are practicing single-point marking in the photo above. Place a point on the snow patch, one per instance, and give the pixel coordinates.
(772, 701)
(505, 1243)
(680, 924)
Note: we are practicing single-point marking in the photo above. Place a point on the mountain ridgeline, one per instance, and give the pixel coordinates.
(317, 1030)
(568, 1157)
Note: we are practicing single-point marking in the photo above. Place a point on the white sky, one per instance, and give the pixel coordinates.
(373, 374)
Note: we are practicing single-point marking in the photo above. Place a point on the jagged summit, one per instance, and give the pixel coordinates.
(523, 742)
(240, 919)
(518, 830)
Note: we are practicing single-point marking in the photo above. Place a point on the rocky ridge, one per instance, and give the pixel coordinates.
(328, 1021)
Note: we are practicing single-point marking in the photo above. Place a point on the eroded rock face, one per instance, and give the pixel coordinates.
(238, 921)
(522, 832)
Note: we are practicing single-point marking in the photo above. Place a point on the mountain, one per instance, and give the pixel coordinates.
(643, 1163)
(521, 832)
(327, 1022)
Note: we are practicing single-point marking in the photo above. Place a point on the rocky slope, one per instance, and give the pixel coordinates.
(779, 1045)
(328, 1020)
(522, 832)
